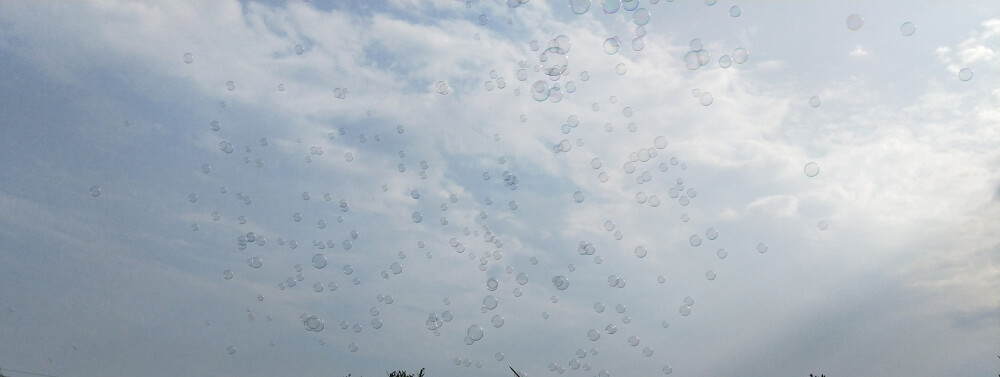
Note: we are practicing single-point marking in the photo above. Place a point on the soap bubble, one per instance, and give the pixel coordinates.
(483, 19)
(490, 302)
(188, 58)
(94, 191)
(475, 332)
(695, 240)
(855, 21)
(560, 282)
(640, 16)
(965, 74)
(667, 369)
(821, 225)
(811, 169)
(540, 91)
(640, 251)
(231, 350)
(492, 284)
(254, 262)
(554, 61)
(593, 335)
(578, 197)
(497, 321)
(442, 88)
(611, 45)
(396, 268)
(499, 355)
(319, 261)
(299, 49)
(579, 6)
(711, 233)
(621, 68)
(230, 86)
(638, 44)
(227, 274)
(762, 248)
(685, 310)
(353, 347)
(722, 253)
(907, 29)
(814, 101)
(633, 340)
(596, 163)
(740, 55)
(706, 99)
(611, 328)
(599, 307)
(725, 61)
(610, 6)
(417, 217)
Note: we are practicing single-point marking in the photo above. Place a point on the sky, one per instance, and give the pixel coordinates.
(316, 188)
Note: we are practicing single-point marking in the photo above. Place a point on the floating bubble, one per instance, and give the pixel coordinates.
(710, 275)
(740, 55)
(725, 61)
(94, 191)
(497, 321)
(822, 225)
(706, 98)
(554, 61)
(667, 369)
(611, 328)
(611, 45)
(254, 262)
(540, 91)
(442, 88)
(814, 101)
(610, 6)
(593, 335)
(811, 169)
(230, 86)
(319, 261)
(188, 58)
(907, 29)
(735, 11)
(762, 248)
(579, 6)
(722, 253)
(231, 350)
(417, 217)
(560, 282)
(490, 302)
(492, 284)
(640, 16)
(483, 19)
(353, 347)
(299, 49)
(965, 74)
(396, 268)
(695, 240)
(313, 323)
(475, 332)
(855, 21)
(640, 251)
(578, 197)
(621, 68)
(685, 310)
(638, 44)
(633, 340)
(499, 355)
(711, 233)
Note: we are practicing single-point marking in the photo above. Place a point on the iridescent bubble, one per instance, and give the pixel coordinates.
(640, 16)
(319, 261)
(611, 45)
(621, 68)
(638, 44)
(554, 61)
(907, 29)
(725, 61)
(811, 169)
(540, 90)
(814, 101)
(610, 6)
(579, 6)
(706, 98)
(965, 74)
(855, 21)
(740, 55)
(735, 11)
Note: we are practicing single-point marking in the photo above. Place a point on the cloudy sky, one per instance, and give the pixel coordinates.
(328, 188)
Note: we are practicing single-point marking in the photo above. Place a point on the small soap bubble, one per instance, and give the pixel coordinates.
(814, 101)
(907, 29)
(711, 233)
(640, 16)
(231, 350)
(319, 261)
(621, 68)
(667, 369)
(710, 275)
(685, 310)
(706, 98)
(762, 248)
(722, 253)
(640, 251)
(855, 21)
(695, 240)
(417, 217)
(633, 340)
(593, 335)
(299, 49)
(822, 225)
(230, 86)
(188, 58)
(811, 169)
(579, 7)
(735, 11)
(227, 274)
(725, 61)
(578, 197)
(611, 45)
(94, 191)
(611, 328)
(965, 74)
(610, 6)
(740, 55)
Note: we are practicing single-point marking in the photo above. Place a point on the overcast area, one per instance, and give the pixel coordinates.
(599, 188)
